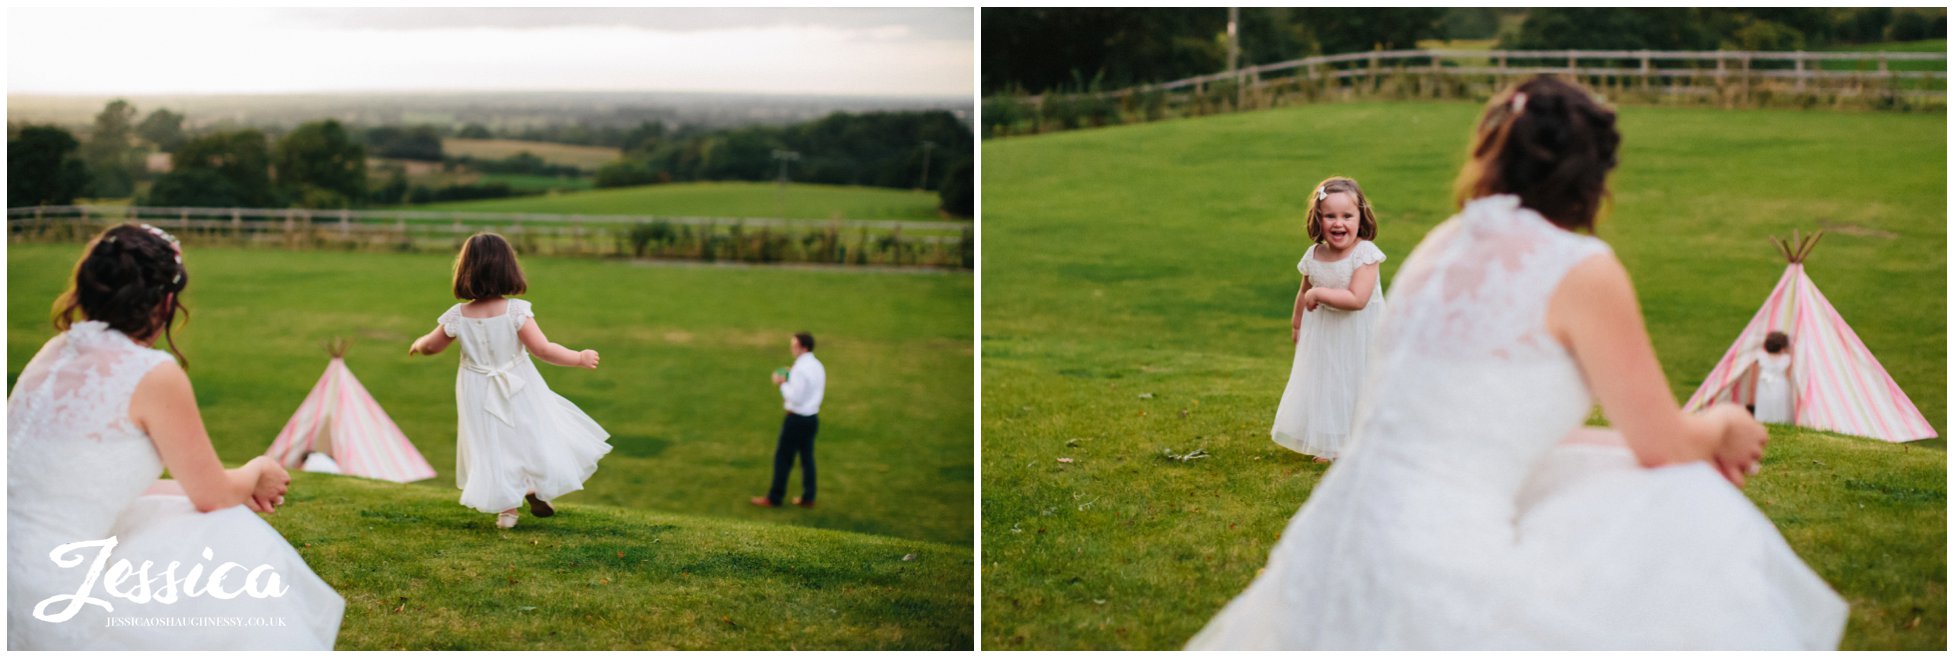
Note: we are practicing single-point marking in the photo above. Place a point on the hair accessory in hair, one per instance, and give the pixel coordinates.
(164, 235)
(1321, 195)
(1519, 103)
(111, 239)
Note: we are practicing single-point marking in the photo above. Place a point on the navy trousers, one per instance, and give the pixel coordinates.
(796, 438)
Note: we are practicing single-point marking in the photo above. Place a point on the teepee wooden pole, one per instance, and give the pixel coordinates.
(1811, 242)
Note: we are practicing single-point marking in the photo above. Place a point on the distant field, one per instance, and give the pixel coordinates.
(585, 157)
(724, 199)
(1923, 46)
(530, 183)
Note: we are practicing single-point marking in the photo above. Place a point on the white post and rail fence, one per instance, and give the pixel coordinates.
(1716, 77)
(944, 244)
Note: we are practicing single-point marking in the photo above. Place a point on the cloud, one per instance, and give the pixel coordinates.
(936, 23)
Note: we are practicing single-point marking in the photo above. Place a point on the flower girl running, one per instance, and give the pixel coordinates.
(1336, 316)
(517, 438)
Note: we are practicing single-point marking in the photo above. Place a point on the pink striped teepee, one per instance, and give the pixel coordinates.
(339, 418)
(1836, 383)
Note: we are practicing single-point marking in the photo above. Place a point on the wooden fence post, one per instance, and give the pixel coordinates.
(1646, 72)
(1798, 64)
(1746, 73)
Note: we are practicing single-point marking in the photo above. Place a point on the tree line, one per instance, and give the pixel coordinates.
(1036, 50)
(907, 150)
(316, 165)
(323, 164)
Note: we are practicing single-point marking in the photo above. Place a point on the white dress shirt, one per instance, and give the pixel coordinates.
(806, 381)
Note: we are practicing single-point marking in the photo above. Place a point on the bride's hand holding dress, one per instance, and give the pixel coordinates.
(1596, 315)
(165, 408)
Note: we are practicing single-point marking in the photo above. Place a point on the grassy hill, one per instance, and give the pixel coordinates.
(420, 572)
(683, 388)
(723, 199)
(1138, 283)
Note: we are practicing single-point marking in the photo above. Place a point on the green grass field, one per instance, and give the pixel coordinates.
(419, 572)
(725, 199)
(683, 390)
(529, 183)
(1138, 283)
(588, 158)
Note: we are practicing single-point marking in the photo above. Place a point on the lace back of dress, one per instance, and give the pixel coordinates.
(80, 386)
(1479, 284)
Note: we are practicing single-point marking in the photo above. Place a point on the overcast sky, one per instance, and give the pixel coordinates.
(911, 52)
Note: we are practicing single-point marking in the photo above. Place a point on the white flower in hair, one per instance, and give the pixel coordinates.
(1321, 195)
(1519, 101)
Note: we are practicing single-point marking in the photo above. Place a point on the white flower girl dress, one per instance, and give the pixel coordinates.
(1331, 348)
(515, 435)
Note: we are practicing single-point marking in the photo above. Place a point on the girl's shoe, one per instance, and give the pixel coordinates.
(539, 508)
(507, 519)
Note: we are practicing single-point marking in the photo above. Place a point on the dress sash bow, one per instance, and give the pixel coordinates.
(507, 384)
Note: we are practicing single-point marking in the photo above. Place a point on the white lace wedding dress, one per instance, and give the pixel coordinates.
(1453, 521)
(77, 468)
(514, 434)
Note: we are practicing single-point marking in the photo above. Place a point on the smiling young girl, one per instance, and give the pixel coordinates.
(1335, 317)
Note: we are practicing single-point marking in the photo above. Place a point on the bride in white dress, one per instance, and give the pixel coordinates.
(1461, 517)
(93, 421)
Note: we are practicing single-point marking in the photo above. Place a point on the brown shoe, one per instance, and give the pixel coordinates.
(763, 502)
(539, 508)
(808, 504)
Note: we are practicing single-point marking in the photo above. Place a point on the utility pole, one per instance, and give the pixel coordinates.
(780, 188)
(923, 184)
(1234, 38)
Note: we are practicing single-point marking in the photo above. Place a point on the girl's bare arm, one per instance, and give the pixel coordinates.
(1364, 279)
(432, 343)
(1296, 315)
(532, 337)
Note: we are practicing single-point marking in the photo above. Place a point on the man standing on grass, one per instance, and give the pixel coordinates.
(801, 387)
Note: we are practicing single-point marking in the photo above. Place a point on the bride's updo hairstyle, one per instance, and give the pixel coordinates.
(130, 277)
(1549, 142)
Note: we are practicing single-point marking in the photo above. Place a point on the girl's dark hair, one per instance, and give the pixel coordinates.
(487, 267)
(132, 278)
(1366, 220)
(1776, 341)
(1551, 143)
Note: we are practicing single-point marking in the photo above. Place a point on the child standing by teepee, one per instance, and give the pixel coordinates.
(517, 438)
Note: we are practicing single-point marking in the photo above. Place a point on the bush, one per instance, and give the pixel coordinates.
(644, 235)
(624, 173)
(1912, 26)
(197, 188)
(958, 195)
